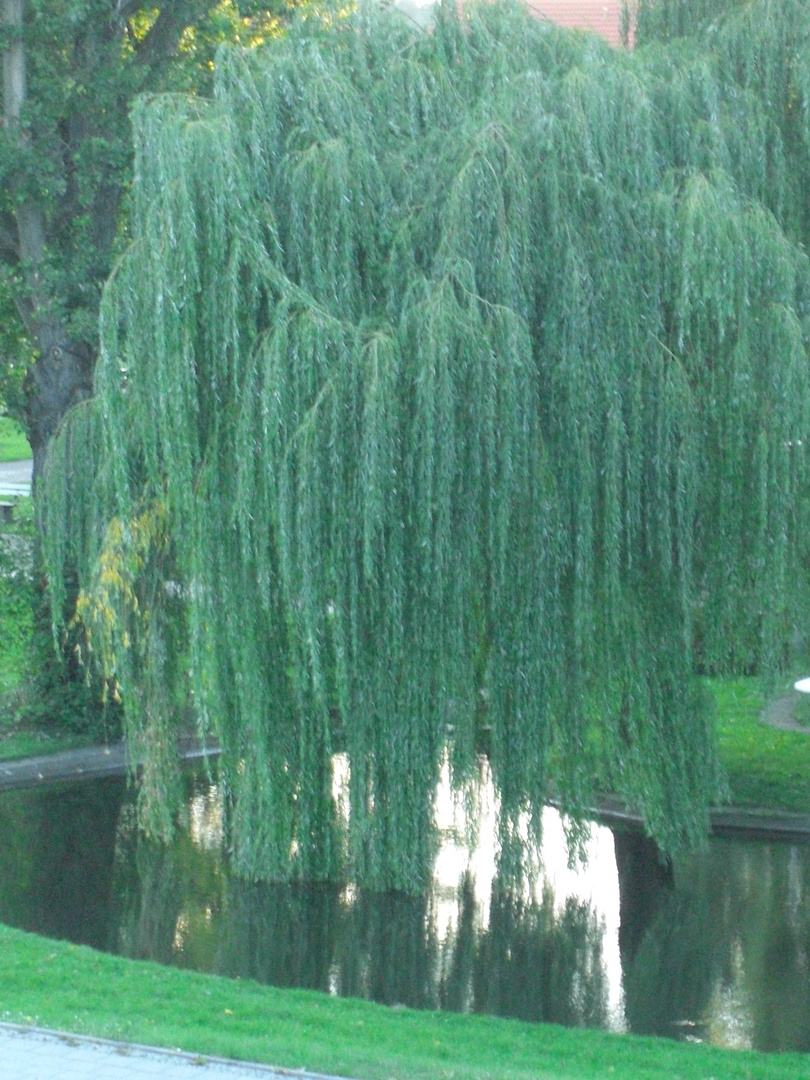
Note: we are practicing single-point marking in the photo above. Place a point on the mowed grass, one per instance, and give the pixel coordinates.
(13, 443)
(766, 767)
(68, 987)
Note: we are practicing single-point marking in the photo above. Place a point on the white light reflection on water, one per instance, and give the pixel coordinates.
(728, 1017)
(467, 828)
(594, 881)
(205, 819)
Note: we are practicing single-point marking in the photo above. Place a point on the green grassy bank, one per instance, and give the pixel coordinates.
(13, 443)
(68, 987)
(766, 767)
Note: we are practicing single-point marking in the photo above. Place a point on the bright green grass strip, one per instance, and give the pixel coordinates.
(766, 767)
(16, 742)
(72, 988)
(13, 443)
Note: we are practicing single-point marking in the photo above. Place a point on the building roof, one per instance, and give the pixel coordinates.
(601, 16)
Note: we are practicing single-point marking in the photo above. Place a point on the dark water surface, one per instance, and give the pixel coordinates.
(717, 950)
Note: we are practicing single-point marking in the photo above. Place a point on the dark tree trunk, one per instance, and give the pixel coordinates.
(645, 882)
(61, 377)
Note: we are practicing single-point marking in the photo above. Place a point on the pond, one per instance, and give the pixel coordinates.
(715, 949)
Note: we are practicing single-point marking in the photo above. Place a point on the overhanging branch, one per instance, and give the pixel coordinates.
(164, 36)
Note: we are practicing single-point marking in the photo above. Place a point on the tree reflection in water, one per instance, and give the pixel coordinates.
(726, 957)
(449, 948)
(56, 857)
(280, 934)
(721, 953)
(531, 961)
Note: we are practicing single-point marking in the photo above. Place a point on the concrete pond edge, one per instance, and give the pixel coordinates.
(94, 762)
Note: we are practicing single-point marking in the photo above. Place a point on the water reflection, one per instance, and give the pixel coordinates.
(715, 948)
(645, 883)
(528, 963)
(56, 855)
(169, 901)
(534, 962)
(726, 957)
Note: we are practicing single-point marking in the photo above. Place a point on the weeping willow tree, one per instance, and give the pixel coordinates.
(453, 397)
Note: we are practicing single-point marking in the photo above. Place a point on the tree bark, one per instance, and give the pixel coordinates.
(61, 376)
(13, 63)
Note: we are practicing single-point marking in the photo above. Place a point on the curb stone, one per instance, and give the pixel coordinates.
(69, 1040)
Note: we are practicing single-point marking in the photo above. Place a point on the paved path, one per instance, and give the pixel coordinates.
(37, 1054)
(780, 714)
(15, 478)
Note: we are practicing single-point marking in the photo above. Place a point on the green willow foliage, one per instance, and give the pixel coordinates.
(453, 397)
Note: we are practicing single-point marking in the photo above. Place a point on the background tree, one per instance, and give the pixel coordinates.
(453, 395)
(71, 69)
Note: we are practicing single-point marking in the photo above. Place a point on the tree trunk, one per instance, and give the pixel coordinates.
(646, 880)
(13, 62)
(61, 377)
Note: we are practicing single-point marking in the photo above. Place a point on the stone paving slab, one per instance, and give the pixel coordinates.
(40, 1054)
(15, 477)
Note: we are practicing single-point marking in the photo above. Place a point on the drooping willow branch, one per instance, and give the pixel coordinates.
(459, 382)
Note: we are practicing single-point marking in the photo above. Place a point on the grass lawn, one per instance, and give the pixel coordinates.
(766, 767)
(13, 443)
(20, 740)
(73, 988)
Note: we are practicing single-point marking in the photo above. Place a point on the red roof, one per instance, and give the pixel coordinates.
(601, 16)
